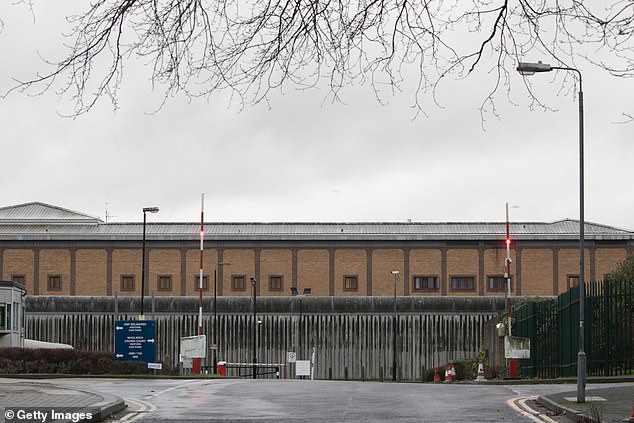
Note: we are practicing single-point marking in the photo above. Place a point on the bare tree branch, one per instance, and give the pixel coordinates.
(250, 47)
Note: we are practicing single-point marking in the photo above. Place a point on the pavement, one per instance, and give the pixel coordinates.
(29, 401)
(613, 404)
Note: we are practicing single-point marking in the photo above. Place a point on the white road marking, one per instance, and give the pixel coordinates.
(519, 404)
(144, 408)
(182, 385)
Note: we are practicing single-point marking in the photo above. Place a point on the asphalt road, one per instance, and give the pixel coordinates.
(248, 400)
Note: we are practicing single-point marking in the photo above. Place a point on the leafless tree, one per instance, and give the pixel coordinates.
(250, 47)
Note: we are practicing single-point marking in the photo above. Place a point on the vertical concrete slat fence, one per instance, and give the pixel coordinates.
(352, 337)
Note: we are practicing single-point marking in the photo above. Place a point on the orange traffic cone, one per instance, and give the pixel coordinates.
(448, 375)
(436, 375)
(480, 377)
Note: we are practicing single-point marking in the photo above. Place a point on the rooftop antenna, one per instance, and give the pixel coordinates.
(107, 214)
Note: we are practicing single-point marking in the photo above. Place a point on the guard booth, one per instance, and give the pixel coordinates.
(12, 296)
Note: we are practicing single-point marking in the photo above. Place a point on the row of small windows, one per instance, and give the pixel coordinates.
(276, 282)
(238, 283)
(54, 282)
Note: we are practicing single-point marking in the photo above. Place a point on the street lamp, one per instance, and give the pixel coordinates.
(255, 326)
(218, 264)
(395, 273)
(295, 293)
(530, 69)
(196, 361)
(145, 211)
(507, 269)
(513, 363)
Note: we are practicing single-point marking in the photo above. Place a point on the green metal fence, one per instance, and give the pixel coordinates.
(611, 312)
(568, 336)
(538, 321)
(553, 327)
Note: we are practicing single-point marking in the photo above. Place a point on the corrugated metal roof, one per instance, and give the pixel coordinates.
(43, 213)
(316, 231)
(35, 221)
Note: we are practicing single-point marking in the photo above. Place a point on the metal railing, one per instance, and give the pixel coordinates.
(553, 329)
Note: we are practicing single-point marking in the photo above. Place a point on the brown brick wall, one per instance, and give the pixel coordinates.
(424, 263)
(126, 262)
(313, 271)
(383, 263)
(54, 262)
(242, 263)
(463, 262)
(164, 263)
(91, 272)
(607, 260)
(537, 271)
(192, 271)
(569, 265)
(351, 262)
(19, 262)
(494, 266)
(276, 263)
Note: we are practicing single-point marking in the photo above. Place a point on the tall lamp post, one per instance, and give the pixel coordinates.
(395, 273)
(255, 328)
(196, 361)
(295, 293)
(146, 210)
(513, 362)
(530, 69)
(507, 268)
(218, 264)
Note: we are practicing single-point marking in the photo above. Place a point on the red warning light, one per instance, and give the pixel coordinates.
(508, 241)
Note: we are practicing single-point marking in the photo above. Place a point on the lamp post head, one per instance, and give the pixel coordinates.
(395, 272)
(526, 68)
(150, 209)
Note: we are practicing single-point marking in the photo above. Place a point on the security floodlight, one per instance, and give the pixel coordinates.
(150, 209)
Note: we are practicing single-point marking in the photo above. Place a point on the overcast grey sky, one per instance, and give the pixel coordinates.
(303, 159)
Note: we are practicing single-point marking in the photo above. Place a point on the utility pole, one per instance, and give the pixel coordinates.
(394, 328)
(255, 329)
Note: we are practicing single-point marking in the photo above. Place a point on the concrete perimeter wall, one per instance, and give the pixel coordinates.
(352, 336)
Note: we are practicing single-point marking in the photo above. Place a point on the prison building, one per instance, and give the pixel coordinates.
(55, 251)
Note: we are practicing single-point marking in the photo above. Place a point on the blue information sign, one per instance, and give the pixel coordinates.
(135, 340)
